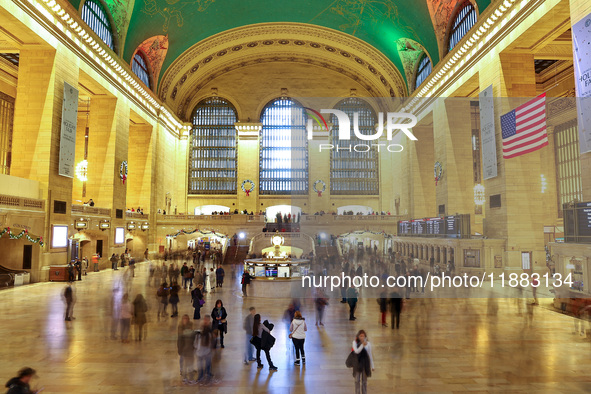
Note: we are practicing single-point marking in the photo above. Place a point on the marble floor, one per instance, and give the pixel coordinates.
(443, 345)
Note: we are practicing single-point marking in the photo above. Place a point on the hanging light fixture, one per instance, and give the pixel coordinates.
(479, 198)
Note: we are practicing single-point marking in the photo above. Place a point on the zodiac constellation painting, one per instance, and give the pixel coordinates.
(173, 10)
(355, 11)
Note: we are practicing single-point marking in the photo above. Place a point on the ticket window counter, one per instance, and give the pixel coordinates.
(264, 270)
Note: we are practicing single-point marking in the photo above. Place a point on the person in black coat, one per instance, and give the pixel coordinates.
(395, 309)
(218, 316)
(197, 297)
(263, 340)
(20, 384)
(246, 278)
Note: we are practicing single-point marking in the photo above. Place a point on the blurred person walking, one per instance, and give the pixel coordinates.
(352, 301)
(297, 334)
(204, 345)
(68, 296)
(125, 315)
(114, 261)
(162, 295)
(140, 308)
(383, 303)
(219, 276)
(395, 309)
(321, 301)
(174, 299)
(184, 344)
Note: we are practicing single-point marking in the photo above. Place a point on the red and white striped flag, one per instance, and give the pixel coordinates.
(524, 128)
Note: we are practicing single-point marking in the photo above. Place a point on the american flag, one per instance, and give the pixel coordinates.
(524, 128)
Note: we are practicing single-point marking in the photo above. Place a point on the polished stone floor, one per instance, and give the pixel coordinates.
(443, 345)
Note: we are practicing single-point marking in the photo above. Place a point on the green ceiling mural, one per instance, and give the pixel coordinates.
(380, 23)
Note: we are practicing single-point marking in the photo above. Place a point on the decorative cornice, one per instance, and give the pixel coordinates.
(66, 25)
(493, 25)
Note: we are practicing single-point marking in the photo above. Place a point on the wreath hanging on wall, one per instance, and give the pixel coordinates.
(316, 189)
(437, 172)
(244, 189)
(123, 171)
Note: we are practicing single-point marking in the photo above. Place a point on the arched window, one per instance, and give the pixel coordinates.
(139, 66)
(284, 148)
(465, 18)
(95, 16)
(423, 70)
(212, 162)
(353, 170)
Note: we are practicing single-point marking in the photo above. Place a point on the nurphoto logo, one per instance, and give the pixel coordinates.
(394, 121)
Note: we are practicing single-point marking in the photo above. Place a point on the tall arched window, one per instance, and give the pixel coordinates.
(354, 172)
(212, 163)
(423, 70)
(284, 148)
(95, 16)
(465, 18)
(139, 66)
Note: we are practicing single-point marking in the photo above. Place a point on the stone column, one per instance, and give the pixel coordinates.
(247, 151)
(452, 131)
(422, 185)
(36, 145)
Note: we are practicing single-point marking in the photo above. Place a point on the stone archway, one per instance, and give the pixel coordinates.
(287, 43)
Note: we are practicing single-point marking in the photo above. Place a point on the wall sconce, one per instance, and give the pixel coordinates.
(81, 224)
(479, 197)
(131, 226)
(544, 183)
(145, 226)
(104, 225)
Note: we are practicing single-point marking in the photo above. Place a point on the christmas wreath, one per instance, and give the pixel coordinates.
(123, 171)
(244, 189)
(316, 189)
(437, 171)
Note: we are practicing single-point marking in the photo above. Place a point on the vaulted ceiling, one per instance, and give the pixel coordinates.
(383, 24)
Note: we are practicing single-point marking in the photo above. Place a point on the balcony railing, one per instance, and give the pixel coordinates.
(87, 210)
(135, 215)
(21, 202)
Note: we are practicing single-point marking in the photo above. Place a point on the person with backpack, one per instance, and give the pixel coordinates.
(297, 333)
(263, 340)
(198, 301)
(363, 365)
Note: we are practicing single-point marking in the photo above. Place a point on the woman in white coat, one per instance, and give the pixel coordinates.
(297, 333)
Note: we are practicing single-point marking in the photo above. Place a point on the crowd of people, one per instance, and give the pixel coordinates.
(199, 280)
